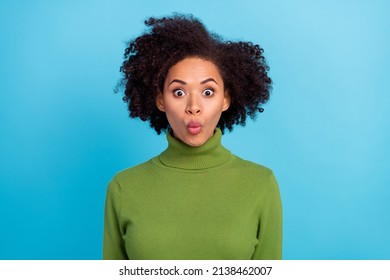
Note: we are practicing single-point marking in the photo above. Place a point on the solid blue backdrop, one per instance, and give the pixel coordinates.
(325, 131)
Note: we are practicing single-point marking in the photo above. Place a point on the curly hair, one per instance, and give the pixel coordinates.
(167, 41)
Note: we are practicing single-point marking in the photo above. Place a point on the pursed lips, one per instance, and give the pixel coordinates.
(194, 127)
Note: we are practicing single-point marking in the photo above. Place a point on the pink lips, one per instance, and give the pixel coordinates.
(194, 127)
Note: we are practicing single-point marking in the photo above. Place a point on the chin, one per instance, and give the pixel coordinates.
(194, 142)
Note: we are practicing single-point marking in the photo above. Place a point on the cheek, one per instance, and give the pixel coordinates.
(172, 110)
(173, 113)
(214, 108)
(174, 106)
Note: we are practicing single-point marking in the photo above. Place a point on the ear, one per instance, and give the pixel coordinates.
(226, 101)
(160, 102)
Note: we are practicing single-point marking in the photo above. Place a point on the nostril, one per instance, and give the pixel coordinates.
(194, 110)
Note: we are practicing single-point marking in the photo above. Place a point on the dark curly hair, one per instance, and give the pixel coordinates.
(167, 41)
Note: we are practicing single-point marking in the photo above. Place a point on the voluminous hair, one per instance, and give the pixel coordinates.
(167, 41)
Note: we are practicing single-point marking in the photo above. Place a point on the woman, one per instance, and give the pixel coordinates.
(195, 200)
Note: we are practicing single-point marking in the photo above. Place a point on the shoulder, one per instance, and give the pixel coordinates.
(132, 173)
(251, 167)
(255, 174)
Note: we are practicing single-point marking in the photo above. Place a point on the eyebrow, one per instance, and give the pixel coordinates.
(202, 82)
(209, 80)
(178, 81)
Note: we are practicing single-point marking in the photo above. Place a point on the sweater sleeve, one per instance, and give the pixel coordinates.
(113, 244)
(270, 224)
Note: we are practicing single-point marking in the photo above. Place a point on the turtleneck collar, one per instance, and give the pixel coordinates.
(182, 156)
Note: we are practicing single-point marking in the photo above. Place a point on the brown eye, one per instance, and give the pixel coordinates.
(208, 92)
(179, 93)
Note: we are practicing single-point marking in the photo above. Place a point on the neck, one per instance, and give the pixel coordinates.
(182, 156)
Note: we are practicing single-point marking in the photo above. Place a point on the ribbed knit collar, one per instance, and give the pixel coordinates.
(180, 155)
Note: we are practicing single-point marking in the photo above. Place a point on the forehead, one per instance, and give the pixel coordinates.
(194, 68)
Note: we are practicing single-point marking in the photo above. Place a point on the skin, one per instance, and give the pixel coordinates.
(193, 100)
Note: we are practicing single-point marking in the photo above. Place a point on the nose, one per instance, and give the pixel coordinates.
(194, 106)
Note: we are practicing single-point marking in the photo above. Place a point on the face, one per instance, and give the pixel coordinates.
(193, 100)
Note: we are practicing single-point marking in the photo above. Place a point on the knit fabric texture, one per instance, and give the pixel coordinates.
(193, 203)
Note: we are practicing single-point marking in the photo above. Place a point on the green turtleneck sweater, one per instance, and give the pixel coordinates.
(193, 203)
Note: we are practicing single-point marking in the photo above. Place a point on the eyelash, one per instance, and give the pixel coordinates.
(175, 92)
(208, 89)
(178, 90)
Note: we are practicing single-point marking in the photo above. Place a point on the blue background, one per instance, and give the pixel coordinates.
(325, 131)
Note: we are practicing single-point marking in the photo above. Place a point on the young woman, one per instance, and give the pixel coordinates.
(195, 200)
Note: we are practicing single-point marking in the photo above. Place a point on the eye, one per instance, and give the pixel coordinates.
(179, 92)
(208, 92)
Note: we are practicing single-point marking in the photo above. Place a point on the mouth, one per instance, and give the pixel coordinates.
(194, 127)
